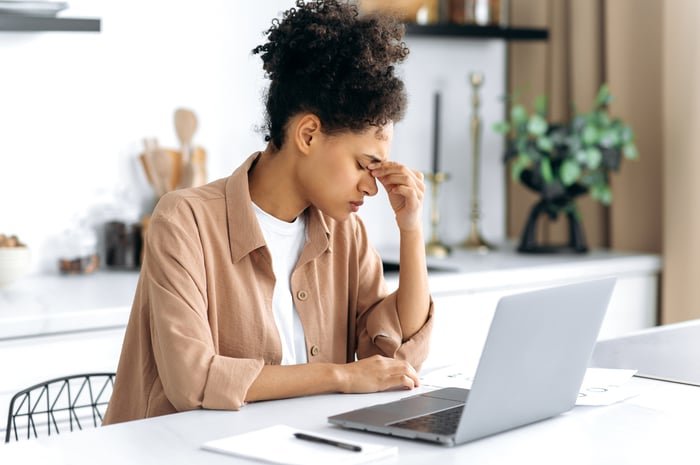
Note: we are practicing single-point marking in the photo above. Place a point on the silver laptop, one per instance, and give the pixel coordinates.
(531, 368)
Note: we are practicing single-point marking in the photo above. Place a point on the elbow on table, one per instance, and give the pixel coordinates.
(183, 402)
(183, 396)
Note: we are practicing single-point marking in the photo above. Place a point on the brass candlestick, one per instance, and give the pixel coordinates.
(435, 247)
(474, 240)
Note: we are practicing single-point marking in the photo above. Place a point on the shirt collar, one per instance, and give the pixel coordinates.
(243, 229)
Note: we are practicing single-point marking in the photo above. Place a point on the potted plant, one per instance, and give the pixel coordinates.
(563, 161)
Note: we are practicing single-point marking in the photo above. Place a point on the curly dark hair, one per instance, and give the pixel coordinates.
(324, 58)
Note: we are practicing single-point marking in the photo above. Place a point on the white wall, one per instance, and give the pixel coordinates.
(444, 64)
(74, 108)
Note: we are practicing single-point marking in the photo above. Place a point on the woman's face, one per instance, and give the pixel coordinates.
(335, 178)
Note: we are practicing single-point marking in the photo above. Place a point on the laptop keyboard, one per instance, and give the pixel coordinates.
(442, 422)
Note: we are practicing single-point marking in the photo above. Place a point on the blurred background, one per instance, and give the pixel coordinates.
(77, 106)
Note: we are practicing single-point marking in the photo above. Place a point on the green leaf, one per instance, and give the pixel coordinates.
(593, 158)
(610, 138)
(603, 97)
(541, 105)
(601, 193)
(626, 135)
(502, 127)
(573, 143)
(579, 122)
(520, 163)
(537, 125)
(603, 119)
(518, 114)
(533, 154)
(590, 135)
(546, 170)
(581, 156)
(630, 151)
(545, 144)
(569, 172)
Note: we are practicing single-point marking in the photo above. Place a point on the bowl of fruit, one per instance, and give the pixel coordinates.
(14, 259)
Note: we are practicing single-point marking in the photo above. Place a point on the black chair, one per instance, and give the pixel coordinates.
(59, 404)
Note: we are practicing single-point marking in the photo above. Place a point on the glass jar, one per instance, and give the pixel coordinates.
(479, 12)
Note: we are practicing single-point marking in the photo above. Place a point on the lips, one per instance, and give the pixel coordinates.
(355, 206)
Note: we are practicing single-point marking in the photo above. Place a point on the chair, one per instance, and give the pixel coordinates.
(59, 404)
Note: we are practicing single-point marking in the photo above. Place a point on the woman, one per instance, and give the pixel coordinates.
(262, 285)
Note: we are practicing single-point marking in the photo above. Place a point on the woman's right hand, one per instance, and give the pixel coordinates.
(377, 373)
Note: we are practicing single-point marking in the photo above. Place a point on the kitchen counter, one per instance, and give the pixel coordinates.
(53, 304)
(504, 268)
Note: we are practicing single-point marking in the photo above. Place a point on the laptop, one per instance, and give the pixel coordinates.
(531, 368)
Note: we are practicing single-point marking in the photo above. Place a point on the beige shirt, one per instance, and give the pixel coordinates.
(202, 327)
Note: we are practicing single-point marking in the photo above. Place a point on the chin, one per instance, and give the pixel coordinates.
(337, 215)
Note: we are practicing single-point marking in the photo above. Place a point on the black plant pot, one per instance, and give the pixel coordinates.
(528, 239)
(555, 199)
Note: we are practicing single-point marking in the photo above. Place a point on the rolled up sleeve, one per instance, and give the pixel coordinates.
(378, 325)
(193, 374)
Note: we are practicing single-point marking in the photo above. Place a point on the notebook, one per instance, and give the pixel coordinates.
(531, 368)
(277, 444)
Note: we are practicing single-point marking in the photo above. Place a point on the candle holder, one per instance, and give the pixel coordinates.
(435, 247)
(474, 240)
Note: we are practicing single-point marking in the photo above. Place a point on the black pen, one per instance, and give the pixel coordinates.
(330, 442)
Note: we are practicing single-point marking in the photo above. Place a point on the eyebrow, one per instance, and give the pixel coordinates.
(373, 158)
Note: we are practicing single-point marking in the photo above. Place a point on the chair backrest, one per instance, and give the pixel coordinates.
(59, 405)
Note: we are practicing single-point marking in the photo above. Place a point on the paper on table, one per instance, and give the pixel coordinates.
(601, 386)
(605, 386)
(277, 444)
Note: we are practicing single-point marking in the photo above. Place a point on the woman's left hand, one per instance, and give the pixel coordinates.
(406, 189)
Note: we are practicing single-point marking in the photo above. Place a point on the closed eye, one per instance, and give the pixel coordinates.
(360, 166)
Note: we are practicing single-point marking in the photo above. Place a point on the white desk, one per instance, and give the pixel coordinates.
(669, 352)
(659, 426)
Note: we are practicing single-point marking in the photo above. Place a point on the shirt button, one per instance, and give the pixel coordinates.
(314, 351)
(302, 295)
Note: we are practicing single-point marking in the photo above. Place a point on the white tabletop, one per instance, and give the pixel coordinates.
(668, 352)
(658, 426)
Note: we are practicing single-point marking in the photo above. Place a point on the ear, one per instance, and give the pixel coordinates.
(305, 131)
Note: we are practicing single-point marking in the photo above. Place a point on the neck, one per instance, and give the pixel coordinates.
(272, 187)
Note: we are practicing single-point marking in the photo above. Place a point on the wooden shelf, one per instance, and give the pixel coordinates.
(476, 32)
(26, 23)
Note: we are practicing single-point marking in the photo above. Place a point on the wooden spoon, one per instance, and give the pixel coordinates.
(185, 127)
(149, 164)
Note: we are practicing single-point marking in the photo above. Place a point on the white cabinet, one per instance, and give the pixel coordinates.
(466, 297)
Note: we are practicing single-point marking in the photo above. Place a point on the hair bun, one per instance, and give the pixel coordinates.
(323, 57)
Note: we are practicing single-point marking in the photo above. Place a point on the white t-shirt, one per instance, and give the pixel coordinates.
(285, 242)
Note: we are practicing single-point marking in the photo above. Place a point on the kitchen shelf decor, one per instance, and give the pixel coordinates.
(476, 32)
(27, 23)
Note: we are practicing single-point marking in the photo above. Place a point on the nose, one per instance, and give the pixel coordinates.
(368, 185)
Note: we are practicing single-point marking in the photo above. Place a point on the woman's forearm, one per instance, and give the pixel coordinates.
(413, 297)
(284, 381)
(372, 374)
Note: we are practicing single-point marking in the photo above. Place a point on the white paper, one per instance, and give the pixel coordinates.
(601, 386)
(277, 444)
(605, 386)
